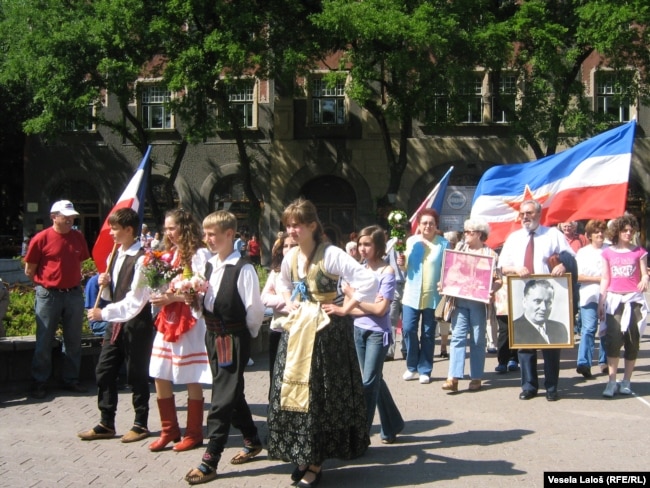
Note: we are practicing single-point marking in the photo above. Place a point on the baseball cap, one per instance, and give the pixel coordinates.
(64, 207)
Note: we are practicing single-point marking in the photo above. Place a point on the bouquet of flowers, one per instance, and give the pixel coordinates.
(158, 269)
(189, 283)
(398, 221)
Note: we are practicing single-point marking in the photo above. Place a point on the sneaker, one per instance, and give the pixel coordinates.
(410, 375)
(624, 387)
(610, 389)
(501, 368)
(513, 366)
(491, 350)
(424, 379)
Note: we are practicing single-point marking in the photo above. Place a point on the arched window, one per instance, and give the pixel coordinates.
(228, 194)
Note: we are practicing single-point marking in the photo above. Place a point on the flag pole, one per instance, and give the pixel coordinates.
(110, 265)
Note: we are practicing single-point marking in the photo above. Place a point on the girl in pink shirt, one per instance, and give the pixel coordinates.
(622, 303)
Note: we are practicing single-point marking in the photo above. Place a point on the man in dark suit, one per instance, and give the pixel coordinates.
(534, 327)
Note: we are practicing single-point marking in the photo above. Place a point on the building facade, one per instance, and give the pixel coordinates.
(320, 145)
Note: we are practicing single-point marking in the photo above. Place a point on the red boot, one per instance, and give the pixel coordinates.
(170, 431)
(194, 431)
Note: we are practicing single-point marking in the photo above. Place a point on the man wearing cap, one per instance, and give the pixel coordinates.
(53, 262)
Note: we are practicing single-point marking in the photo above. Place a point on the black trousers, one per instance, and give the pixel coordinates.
(133, 348)
(228, 406)
(528, 365)
(504, 353)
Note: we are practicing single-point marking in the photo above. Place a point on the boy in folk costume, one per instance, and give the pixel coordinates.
(233, 313)
(129, 335)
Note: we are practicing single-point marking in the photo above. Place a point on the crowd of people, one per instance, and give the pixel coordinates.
(335, 315)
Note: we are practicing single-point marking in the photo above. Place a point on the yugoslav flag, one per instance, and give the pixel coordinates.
(433, 200)
(584, 182)
(132, 197)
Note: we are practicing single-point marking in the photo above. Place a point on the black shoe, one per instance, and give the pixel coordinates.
(298, 473)
(443, 354)
(38, 391)
(389, 358)
(74, 388)
(585, 371)
(527, 395)
(305, 484)
(551, 396)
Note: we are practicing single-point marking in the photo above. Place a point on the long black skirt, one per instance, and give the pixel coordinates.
(335, 425)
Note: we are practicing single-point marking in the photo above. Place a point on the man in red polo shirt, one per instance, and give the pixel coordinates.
(53, 262)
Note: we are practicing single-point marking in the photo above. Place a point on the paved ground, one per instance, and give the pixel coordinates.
(487, 438)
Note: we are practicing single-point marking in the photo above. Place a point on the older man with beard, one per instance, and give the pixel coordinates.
(525, 252)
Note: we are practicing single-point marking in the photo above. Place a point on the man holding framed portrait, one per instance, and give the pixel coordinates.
(535, 325)
(527, 251)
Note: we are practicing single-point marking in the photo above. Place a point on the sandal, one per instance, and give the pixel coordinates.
(450, 384)
(248, 452)
(474, 385)
(201, 474)
(311, 484)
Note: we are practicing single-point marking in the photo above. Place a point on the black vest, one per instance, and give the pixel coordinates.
(120, 288)
(228, 309)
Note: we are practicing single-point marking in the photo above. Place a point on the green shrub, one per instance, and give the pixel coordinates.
(20, 320)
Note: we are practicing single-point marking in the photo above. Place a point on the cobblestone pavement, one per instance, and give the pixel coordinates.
(486, 438)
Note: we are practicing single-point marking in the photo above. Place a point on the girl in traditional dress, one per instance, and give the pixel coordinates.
(179, 355)
(317, 408)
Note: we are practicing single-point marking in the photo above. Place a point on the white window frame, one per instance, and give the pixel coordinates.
(605, 91)
(473, 91)
(244, 102)
(72, 125)
(328, 105)
(154, 104)
(507, 94)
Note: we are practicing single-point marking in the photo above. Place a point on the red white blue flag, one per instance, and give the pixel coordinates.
(132, 197)
(587, 181)
(434, 200)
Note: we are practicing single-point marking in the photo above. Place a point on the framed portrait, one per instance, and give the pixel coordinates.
(540, 312)
(467, 275)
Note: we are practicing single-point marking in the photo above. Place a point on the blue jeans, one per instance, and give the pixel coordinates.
(371, 352)
(419, 353)
(589, 314)
(468, 318)
(52, 307)
(395, 311)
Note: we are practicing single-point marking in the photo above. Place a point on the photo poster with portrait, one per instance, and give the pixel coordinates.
(540, 312)
(467, 275)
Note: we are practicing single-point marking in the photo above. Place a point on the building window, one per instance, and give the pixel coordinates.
(155, 112)
(611, 99)
(242, 101)
(505, 103)
(472, 95)
(327, 102)
(83, 123)
(439, 113)
(228, 194)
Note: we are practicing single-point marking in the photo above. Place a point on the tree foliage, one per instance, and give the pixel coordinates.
(552, 39)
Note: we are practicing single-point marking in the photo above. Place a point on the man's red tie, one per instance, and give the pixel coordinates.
(530, 253)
